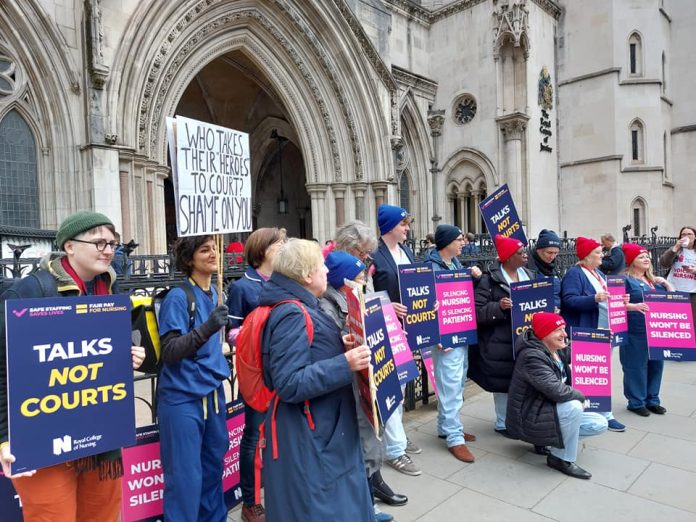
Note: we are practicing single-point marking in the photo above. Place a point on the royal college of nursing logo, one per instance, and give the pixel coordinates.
(545, 89)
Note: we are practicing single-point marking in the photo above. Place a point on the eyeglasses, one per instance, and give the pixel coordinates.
(100, 244)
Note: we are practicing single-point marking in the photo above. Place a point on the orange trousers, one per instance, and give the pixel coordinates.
(59, 494)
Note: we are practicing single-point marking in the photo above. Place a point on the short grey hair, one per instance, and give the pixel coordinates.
(608, 237)
(354, 235)
(297, 259)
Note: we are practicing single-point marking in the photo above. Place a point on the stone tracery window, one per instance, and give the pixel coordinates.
(7, 76)
(464, 109)
(19, 195)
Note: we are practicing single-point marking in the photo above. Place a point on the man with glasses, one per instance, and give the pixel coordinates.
(88, 488)
(491, 362)
(451, 364)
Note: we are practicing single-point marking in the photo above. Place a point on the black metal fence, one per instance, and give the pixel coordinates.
(147, 275)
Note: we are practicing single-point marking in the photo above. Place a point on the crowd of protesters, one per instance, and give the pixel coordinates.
(326, 460)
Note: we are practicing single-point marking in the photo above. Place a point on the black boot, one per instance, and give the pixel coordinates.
(383, 492)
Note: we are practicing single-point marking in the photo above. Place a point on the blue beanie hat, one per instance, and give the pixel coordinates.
(388, 216)
(548, 238)
(445, 234)
(342, 266)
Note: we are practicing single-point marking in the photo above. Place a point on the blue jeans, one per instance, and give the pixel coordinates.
(576, 423)
(450, 376)
(394, 433)
(193, 444)
(500, 401)
(247, 452)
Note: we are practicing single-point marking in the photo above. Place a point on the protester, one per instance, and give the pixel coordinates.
(641, 377)
(88, 488)
(120, 261)
(191, 397)
(319, 473)
(543, 262)
(613, 261)
(394, 223)
(451, 364)
(341, 265)
(491, 361)
(681, 261)
(543, 409)
(429, 243)
(358, 239)
(470, 248)
(243, 297)
(584, 297)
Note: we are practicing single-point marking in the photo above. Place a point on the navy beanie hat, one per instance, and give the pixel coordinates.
(388, 216)
(548, 238)
(445, 234)
(342, 266)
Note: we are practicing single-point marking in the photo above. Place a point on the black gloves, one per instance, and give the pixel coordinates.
(218, 318)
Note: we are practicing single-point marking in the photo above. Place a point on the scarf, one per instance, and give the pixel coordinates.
(548, 269)
(100, 285)
(109, 464)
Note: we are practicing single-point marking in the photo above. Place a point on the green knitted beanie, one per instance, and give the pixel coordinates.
(78, 223)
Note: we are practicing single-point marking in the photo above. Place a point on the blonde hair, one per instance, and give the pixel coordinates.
(297, 259)
(648, 273)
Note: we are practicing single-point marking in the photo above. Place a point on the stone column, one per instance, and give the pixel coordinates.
(359, 192)
(339, 191)
(380, 190)
(475, 220)
(463, 211)
(436, 120)
(513, 129)
(320, 218)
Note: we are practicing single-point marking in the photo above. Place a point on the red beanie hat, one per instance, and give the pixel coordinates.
(631, 251)
(544, 323)
(506, 247)
(585, 245)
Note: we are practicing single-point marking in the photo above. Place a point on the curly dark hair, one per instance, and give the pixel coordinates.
(183, 250)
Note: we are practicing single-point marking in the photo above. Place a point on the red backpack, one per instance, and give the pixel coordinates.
(249, 364)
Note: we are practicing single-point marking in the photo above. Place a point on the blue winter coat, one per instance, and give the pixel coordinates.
(433, 257)
(319, 475)
(386, 276)
(578, 305)
(243, 295)
(637, 340)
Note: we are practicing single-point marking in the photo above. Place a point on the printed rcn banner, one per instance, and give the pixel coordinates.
(143, 479)
(456, 315)
(389, 394)
(529, 298)
(591, 366)
(69, 378)
(669, 326)
(212, 178)
(403, 357)
(618, 319)
(417, 286)
(427, 356)
(500, 215)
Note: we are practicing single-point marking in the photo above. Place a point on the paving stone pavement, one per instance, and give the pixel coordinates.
(647, 473)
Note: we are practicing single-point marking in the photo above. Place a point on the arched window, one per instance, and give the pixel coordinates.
(638, 217)
(637, 135)
(404, 187)
(19, 190)
(635, 55)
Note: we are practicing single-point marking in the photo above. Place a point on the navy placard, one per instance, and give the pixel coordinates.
(386, 378)
(69, 378)
(529, 298)
(500, 215)
(417, 286)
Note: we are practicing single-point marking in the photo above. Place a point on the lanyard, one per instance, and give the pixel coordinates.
(602, 283)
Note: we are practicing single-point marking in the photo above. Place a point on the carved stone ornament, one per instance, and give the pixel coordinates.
(545, 97)
(464, 109)
(511, 22)
(8, 76)
(99, 72)
(513, 126)
(110, 139)
(435, 120)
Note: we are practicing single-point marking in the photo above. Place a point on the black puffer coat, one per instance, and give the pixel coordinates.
(491, 362)
(535, 389)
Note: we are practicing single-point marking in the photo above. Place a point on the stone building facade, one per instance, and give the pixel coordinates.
(349, 103)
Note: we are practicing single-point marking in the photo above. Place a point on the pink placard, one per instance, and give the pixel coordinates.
(230, 471)
(670, 325)
(143, 480)
(456, 313)
(430, 368)
(618, 319)
(591, 367)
